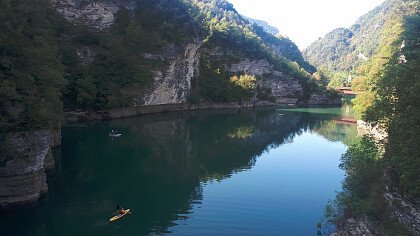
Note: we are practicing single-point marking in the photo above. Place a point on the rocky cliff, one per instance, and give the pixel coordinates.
(174, 85)
(23, 176)
(400, 209)
(284, 88)
(180, 64)
(99, 14)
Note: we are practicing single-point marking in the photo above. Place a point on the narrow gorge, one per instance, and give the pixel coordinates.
(180, 110)
(109, 70)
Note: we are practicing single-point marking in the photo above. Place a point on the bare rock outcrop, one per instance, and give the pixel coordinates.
(23, 177)
(99, 14)
(404, 211)
(356, 227)
(401, 208)
(284, 88)
(174, 85)
(255, 67)
(377, 132)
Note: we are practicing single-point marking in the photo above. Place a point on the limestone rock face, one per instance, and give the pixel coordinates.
(356, 227)
(23, 177)
(403, 210)
(284, 88)
(174, 85)
(256, 67)
(399, 208)
(99, 14)
(377, 132)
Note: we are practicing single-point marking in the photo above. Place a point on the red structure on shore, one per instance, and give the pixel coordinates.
(345, 90)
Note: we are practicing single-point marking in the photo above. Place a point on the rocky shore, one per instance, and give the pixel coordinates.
(399, 207)
(23, 177)
(84, 115)
(356, 227)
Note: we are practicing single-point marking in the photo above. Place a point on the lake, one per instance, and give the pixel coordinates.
(223, 172)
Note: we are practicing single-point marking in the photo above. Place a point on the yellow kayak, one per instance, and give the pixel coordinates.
(120, 215)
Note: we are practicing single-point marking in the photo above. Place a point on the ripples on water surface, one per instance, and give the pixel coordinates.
(230, 172)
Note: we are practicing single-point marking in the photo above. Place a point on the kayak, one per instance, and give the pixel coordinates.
(115, 135)
(120, 215)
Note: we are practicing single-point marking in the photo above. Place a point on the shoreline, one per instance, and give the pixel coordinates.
(79, 115)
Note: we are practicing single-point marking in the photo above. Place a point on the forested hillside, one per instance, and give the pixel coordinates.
(31, 70)
(385, 175)
(388, 86)
(342, 51)
(64, 53)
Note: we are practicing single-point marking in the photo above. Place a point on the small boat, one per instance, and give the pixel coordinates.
(115, 135)
(120, 215)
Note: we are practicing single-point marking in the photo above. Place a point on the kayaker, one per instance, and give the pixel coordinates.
(120, 210)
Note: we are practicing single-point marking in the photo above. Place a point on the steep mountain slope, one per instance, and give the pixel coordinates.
(281, 45)
(346, 49)
(132, 53)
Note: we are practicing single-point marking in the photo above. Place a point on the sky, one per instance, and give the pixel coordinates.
(304, 21)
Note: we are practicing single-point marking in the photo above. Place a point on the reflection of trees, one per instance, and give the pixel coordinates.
(168, 156)
(242, 132)
(336, 131)
(362, 189)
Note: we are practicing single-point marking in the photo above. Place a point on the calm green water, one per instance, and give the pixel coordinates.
(230, 172)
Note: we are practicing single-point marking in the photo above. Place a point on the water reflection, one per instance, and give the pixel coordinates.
(159, 165)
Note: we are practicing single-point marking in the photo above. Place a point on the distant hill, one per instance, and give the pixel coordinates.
(345, 49)
(280, 45)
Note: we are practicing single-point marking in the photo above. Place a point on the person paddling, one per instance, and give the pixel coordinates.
(120, 210)
(120, 213)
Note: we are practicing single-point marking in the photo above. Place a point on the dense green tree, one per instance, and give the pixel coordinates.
(31, 72)
(396, 107)
(244, 85)
(388, 84)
